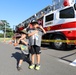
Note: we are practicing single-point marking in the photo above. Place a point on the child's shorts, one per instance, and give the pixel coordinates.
(35, 49)
(24, 56)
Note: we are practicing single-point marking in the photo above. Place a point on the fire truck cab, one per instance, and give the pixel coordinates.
(61, 25)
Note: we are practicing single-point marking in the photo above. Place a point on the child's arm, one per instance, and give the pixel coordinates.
(23, 41)
(15, 44)
(19, 40)
(22, 37)
(42, 29)
(32, 33)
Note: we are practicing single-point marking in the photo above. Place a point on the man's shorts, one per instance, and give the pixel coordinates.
(35, 49)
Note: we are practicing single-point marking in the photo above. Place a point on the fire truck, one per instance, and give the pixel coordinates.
(59, 21)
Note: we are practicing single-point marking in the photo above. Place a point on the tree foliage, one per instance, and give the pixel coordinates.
(2, 27)
(9, 31)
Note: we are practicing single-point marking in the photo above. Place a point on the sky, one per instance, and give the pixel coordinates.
(16, 11)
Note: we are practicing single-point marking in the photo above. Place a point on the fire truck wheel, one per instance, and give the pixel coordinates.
(58, 45)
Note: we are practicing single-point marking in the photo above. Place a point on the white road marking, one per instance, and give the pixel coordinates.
(73, 63)
(66, 62)
(63, 61)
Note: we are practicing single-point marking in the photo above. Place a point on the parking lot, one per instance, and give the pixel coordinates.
(53, 62)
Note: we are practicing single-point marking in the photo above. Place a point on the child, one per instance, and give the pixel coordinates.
(35, 43)
(24, 49)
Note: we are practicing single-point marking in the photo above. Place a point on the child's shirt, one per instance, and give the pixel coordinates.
(24, 48)
(36, 38)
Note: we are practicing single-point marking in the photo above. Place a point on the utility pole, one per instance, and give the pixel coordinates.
(3, 23)
(5, 31)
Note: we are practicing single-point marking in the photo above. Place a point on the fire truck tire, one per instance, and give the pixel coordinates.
(58, 45)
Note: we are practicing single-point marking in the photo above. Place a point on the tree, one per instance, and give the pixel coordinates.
(2, 27)
(1, 35)
(9, 31)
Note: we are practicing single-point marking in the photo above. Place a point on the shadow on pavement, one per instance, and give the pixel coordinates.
(17, 56)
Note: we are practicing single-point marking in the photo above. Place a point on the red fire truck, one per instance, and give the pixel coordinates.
(59, 21)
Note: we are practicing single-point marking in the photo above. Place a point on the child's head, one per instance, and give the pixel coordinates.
(35, 24)
(24, 33)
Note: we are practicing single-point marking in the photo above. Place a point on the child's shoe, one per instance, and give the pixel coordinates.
(31, 66)
(19, 68)
(37, 67)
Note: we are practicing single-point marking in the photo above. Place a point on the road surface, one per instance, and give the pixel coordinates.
(53, 62)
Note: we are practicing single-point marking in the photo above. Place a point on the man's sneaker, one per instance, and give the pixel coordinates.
(37, 67)
(31, 66)
(19, 68)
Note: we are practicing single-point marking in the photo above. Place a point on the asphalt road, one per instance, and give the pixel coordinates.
(53, 62)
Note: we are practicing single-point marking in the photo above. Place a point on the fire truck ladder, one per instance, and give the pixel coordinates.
(37, 15)
(41, 13)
